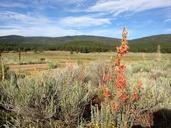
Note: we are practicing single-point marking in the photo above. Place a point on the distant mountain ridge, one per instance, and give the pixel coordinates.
(82, 43)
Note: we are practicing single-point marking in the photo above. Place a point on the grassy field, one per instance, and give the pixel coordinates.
(33, 62)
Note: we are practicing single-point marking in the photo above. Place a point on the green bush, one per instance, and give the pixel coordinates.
(52, 65)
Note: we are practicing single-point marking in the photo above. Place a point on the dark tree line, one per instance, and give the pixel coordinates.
(83, 44)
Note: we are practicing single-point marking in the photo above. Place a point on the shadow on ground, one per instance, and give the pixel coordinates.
(161, 119)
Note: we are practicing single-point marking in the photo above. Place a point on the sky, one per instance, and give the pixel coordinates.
(56, 18)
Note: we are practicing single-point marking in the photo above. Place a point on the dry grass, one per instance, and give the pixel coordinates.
(60, 58)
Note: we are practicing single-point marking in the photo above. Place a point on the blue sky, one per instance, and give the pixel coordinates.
(85, 17)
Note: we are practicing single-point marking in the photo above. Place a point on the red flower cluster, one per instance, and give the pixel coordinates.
(120, 81)
(106, 92)
(122, 68)
(123, 49)
(123, 97)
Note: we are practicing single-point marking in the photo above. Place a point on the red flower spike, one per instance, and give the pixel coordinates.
(120, 81)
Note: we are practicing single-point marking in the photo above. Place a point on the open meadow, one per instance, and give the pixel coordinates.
(31, 62)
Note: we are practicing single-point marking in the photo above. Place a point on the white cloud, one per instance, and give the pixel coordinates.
(84, 21)
(56, 31)
(10, 17)
(30, 19)
(31, 25)
(48, 30)
(119, 6)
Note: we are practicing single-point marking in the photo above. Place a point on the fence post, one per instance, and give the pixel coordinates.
(19, 56)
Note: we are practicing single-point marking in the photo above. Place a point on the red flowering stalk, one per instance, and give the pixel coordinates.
(123, 100)
(119, 68)
(122, 95)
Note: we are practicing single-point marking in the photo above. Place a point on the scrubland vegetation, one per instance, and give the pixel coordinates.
(117, 94)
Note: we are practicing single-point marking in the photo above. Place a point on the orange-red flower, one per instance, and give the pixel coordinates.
(120, 81)
(122, 68)
(123, 49)
(106, 92)
(123, 97)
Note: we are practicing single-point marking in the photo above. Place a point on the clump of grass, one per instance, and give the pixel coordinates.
(52, 65)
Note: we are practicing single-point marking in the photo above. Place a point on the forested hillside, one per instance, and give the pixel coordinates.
(83, 43)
